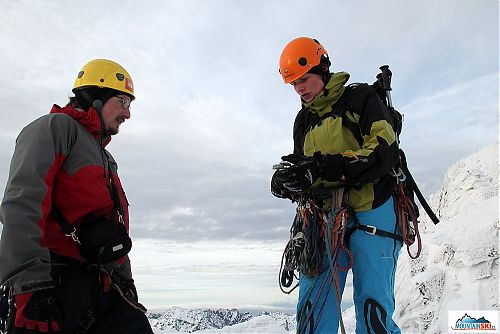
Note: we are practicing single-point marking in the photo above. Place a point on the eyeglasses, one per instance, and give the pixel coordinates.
(125, 102)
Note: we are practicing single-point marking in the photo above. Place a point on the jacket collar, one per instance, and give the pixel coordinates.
(88, 119)
(329, 96)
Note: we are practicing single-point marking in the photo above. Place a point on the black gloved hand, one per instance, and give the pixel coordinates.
(126, 289)
(333, 167)
(37, 312)
(277, 188)
(301, 175)
(295, 158)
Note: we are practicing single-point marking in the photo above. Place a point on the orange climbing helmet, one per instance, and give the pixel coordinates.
(299, 56)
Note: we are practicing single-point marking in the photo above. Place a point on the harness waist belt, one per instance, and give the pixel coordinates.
(372, 230)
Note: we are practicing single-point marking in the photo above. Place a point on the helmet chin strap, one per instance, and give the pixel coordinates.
(97, 104)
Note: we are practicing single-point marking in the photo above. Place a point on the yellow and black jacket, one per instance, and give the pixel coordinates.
(350, 121)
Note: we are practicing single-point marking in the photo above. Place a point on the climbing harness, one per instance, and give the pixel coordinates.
(108, 280)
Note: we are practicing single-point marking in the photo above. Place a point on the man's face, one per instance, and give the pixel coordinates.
(308, 86)
(114, 112)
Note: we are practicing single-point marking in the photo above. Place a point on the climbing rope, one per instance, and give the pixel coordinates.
(313, 236)
(407, 218)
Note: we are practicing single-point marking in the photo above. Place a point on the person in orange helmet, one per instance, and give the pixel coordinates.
(64, 245)
(340, 173)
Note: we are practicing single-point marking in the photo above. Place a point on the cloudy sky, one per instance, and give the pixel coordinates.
(212, 114)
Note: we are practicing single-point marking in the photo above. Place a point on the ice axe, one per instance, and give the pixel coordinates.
(384, 79)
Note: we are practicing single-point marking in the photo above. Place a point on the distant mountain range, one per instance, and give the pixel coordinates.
(180, 320)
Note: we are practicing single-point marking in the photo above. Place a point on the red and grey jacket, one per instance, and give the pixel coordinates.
(59, 160)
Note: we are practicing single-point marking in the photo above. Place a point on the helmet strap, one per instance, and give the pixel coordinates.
(97, 104)
(86, 96)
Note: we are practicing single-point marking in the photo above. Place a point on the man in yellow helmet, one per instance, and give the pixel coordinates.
(340, 174)
(64, 246)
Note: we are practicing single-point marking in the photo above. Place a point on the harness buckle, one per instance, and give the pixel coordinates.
(373, 231)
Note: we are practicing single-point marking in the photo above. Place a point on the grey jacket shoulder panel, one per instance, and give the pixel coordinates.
(24, 263)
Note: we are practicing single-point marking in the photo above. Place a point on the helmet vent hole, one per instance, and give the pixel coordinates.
(120, 76)
(302, 61)
(80, 74)
(101, 80)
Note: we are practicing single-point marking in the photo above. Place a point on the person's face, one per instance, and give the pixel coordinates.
(308, 86)
(114, 112)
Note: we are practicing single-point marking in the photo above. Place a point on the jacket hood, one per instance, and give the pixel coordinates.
(88, 119)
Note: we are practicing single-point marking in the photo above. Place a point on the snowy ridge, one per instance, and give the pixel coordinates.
(467, 183)
(179, 320)
(458, 267)
(269, 323)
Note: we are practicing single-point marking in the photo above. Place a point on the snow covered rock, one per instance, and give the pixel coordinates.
(458, 267)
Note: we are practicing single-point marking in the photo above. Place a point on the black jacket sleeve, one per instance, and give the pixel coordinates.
(379, 148)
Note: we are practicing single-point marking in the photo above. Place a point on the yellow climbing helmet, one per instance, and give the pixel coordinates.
(299, 56)
(104, 73)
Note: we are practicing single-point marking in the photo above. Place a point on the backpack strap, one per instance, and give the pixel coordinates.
(413, 185)
(68, 229)
(353, 99)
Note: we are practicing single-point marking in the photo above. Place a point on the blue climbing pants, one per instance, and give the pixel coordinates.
(373, 268)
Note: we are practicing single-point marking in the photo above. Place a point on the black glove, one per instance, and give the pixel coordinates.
(277, 188)
(301, 175)
(305, 171)
(296, 158)
(37, 312)
(333, 166)
(126, 289)
(4, 307)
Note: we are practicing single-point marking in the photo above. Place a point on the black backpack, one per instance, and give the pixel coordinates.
(405, 189)
(383, 87)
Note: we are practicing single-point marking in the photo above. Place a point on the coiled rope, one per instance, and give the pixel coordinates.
(407, 218)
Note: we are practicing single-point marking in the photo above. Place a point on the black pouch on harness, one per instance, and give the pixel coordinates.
(100, 240)
(103, 241)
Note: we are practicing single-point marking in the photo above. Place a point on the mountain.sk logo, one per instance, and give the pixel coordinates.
(473, 321)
